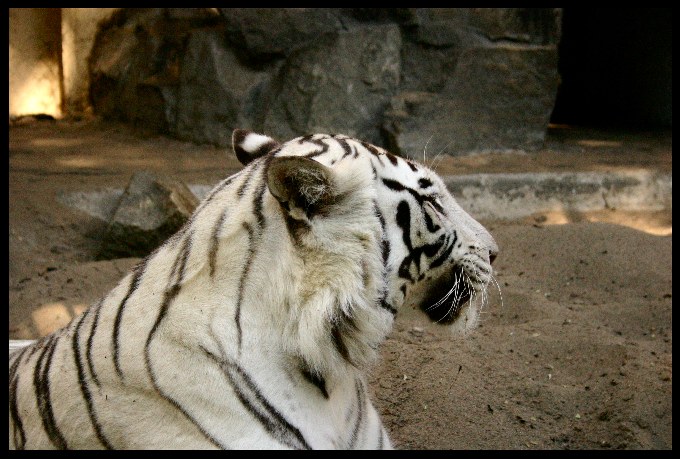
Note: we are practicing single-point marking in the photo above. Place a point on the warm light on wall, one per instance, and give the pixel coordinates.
(34, 62)
(37, 94)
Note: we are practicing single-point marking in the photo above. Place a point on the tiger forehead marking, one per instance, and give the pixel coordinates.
(254, 326)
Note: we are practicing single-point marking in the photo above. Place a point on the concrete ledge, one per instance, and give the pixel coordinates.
(496, 196)
(512, 196)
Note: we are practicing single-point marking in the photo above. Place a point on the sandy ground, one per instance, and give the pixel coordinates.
(574, 350)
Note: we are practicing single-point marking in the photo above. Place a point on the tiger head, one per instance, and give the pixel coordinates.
(422, 249)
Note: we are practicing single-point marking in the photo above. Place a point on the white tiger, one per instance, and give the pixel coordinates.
(254, 326)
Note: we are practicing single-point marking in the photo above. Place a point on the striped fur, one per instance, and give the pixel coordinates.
(255, 325)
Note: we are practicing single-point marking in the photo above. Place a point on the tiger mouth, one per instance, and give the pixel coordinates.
(444, 301)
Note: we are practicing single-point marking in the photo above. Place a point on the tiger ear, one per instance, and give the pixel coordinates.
(302, 186)
(249, 145)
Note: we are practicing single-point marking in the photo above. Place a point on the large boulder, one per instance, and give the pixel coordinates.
(340, 84)
(497, 99)
(261, 34)
(448, 26)
(216, 93)
(473, 79)
(152, 208)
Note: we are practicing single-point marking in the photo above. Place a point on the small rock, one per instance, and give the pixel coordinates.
(151, 209)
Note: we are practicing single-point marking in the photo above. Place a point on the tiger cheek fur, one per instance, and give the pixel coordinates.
(255, 325)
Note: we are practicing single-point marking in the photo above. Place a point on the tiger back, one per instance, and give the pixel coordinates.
(254, 325)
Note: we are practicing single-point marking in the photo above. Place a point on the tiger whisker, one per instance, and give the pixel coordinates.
(425, 149)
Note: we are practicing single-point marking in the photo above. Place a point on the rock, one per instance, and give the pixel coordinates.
(122, 58)
(267, 33)
(449, 26)
(473, 79)
(340, 84)
(136, 62)
(151, 209)
(216, 92)
(497, 99)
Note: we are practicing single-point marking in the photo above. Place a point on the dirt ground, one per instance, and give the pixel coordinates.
(575, 347)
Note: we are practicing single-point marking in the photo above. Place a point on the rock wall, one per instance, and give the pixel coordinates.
(457, 80)
(78, 28)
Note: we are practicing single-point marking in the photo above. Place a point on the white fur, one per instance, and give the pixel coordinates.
(253, 142)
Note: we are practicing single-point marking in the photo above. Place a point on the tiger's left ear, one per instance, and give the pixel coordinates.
(302, 186)
(249, 145)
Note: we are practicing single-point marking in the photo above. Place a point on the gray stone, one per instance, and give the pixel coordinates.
(265, 33)
(403, 16)
(340, 84)
(136, 62)
(216, 92)
(151, 209)
(426, 68)
(497, 99)
(449, 26)
(473, 79)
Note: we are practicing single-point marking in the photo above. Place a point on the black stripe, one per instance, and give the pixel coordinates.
(404, 222)
(424, 182)
(385, 250)
(41, 383)
(385, 243)
(393, 185)
(432, 227)
(336, 337)
(216, 190)
(360, 414)
(393, 159)
(375, 172)
(374, 151)
(17, 423)
(214, 241)
(445, 254)
(384, 304)
(134, 284)
(347, 147)
(84, 389)
(320, 143)
(413, 167)
(90, 338)
(396, 186)
(415, 254)
(258, 201)
(314, 378)
(19, 354)
(342, 325)
(170, 293)
(173, 284)
(257, 404)
(242, 188)
(244, 275)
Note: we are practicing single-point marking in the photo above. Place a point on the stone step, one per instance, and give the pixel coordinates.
(496, 196)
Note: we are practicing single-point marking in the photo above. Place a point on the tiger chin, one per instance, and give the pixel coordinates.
(255, 325)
